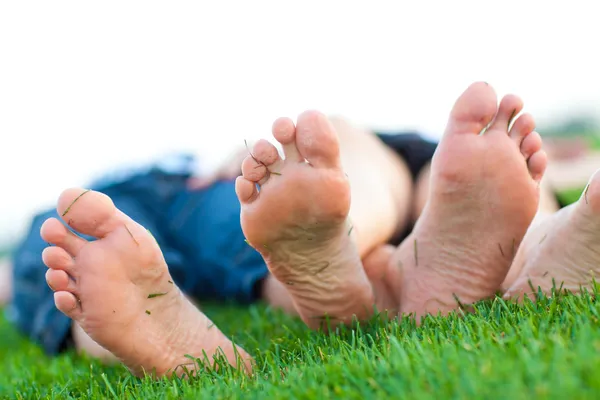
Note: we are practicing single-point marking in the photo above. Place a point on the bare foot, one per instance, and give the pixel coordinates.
(118, 289)
(564, 248)
(483, 195)
(298, 220)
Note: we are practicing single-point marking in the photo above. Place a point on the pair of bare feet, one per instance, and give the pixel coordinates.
(484, 195)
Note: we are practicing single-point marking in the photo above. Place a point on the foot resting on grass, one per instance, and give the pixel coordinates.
(484, 194)
(562, 250)
(118, 289)
(297, 218)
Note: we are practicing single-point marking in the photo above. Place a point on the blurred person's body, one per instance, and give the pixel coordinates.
(482, 195)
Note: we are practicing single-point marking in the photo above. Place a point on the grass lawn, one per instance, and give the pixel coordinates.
(548, 349)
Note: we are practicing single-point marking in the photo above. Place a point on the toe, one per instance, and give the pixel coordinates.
(88, 212)
(53, 231)
(265, 153)
(510, 107)
(532, 143)
(68, 304)
(58, 258)
(245, 190)
(473, 110)
(253, 170)
(284, 132)
(60, 281)
(537, 165)
(317, 140)
(521, 129)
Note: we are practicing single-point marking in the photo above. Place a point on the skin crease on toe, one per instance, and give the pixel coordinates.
(298, 221)
(483, 197)
(123, 296)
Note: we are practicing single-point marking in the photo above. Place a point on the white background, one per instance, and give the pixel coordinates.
(87, 85)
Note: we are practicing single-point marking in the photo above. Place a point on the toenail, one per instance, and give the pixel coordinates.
(50, 286)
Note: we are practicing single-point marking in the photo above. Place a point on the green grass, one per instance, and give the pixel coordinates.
(548, 349)
(544, 349)
(569, 196)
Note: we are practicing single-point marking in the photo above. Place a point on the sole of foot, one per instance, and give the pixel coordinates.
(119, 291)
(484, 192)
(295, 213)
(561, 251)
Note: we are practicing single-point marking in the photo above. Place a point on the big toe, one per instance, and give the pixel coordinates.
(474, 110)
(88, 212)
(317, 140)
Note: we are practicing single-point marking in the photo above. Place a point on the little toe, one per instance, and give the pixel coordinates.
(537, 165)
(317, 140)
(473, 111)
(60, 281)
(54, 232)
(284, 132)
(245, 190)
(532, 143)
(510, 107)
(68, 304)
(58, 258)
(521, 129)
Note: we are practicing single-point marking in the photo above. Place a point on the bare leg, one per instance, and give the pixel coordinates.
(5, 282)
(380, 183)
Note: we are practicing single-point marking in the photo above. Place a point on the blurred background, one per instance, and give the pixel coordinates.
(85, 87)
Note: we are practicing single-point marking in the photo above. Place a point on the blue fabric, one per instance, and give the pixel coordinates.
(198, 231)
